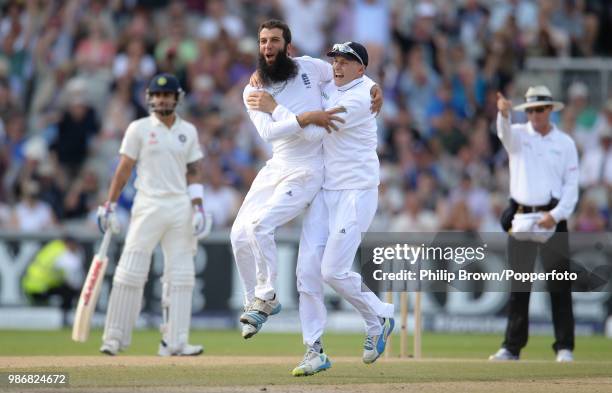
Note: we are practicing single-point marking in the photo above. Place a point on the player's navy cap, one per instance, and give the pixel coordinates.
(353, 50)
(164, 83)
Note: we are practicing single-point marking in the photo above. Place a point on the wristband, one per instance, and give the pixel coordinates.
(196, 191)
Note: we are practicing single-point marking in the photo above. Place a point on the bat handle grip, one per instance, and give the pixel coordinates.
(104, 246)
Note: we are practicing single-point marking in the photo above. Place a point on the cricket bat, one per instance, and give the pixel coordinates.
(90, 292)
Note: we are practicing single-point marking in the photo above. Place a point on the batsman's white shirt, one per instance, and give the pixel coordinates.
(162, 155)
(161, 214)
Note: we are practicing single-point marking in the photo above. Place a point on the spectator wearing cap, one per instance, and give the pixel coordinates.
(585, 115)
(544, 192)
(423, 35)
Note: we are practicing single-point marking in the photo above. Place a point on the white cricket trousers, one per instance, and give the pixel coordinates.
(331, 235)
(278, 194)
(154, 220)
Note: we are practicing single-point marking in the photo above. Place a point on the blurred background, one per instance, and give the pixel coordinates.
(73, 75)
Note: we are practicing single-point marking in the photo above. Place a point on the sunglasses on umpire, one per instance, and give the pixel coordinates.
(537, 109)
(345, 48)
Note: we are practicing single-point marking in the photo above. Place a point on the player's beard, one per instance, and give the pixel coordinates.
(283, 68)
(163, 110)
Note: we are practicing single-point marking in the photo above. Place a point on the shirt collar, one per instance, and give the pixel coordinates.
(351, 84)
(156, 122)
(550, 135)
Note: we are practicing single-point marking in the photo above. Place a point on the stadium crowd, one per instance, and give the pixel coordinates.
(73, 74)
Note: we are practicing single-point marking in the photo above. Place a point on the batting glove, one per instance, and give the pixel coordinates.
(107, 218)
(202, 222)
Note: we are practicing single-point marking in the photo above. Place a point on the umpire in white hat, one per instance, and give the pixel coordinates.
(544, 192)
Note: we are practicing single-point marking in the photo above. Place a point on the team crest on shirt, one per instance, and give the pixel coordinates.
(306, 81)
(182, 138)
(153, 138)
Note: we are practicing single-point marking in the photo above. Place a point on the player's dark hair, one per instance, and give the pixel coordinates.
(277, 24)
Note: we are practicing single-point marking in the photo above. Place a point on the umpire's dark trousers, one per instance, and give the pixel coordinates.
(555, 256)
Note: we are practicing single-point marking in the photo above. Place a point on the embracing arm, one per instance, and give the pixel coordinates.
(271, 130)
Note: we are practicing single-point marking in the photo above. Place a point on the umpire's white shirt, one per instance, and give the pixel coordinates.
(350, 158)
(162, 155)
(541, 167)
(301, 94)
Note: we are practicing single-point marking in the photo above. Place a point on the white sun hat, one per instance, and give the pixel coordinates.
(539, 96)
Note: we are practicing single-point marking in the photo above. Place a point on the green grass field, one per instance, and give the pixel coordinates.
(455, 362)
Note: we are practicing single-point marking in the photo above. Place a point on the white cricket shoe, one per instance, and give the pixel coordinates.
(374, 346)
(565, 356)
(256, 314)
(503, 354)
(313, 362)
(249, 330)
(184, 350)
(110, 347)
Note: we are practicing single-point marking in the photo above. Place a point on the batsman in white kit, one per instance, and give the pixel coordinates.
(284, 188)
(168, 208)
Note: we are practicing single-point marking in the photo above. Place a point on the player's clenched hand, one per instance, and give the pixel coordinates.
(107, 218)
(324, 119)
(503, 105)
(261, 101)
(377, 99)
(202, 222)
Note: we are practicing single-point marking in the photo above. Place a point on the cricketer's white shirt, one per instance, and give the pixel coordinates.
(349, 154)
(541, 167)
(290, 144)
(162, 154)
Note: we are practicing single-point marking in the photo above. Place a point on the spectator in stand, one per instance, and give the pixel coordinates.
(31, 214)
(77, 127)
(222, 201)
(413, 218)
(589, 218)
(585, 132)
(308, 34)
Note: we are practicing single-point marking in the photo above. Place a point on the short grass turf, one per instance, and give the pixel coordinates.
(457, 357)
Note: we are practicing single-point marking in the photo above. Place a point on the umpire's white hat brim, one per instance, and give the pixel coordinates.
(539, 96)
(557, 106)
